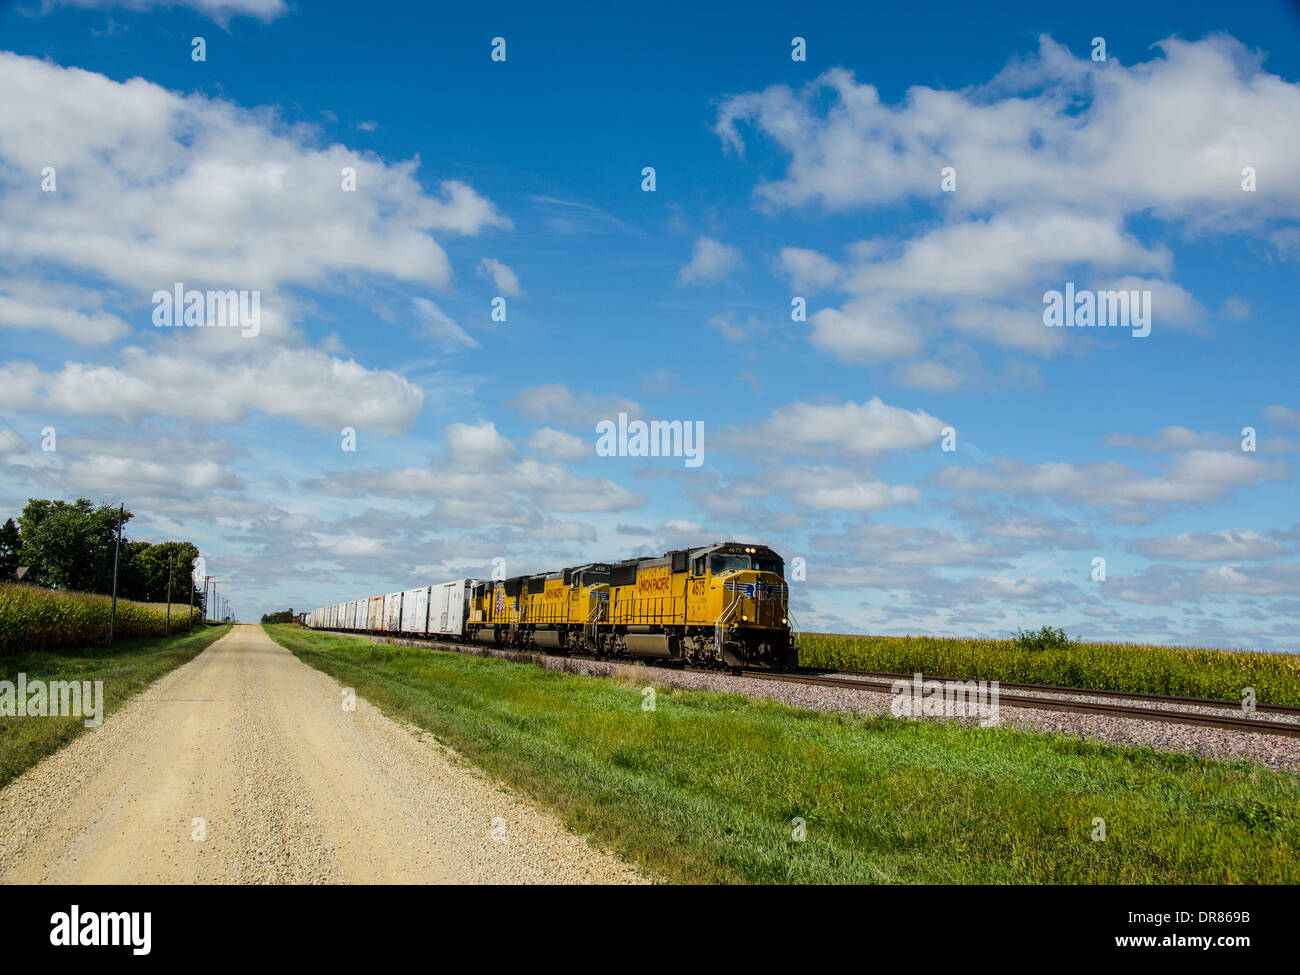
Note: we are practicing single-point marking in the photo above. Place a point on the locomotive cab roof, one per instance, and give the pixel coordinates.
(737, 548)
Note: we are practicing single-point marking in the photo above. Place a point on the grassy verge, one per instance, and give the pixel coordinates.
(126, 670)
(32, 618)
(1107, 666)
(706, 787)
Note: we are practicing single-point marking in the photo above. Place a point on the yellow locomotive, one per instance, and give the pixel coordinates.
(723, 605)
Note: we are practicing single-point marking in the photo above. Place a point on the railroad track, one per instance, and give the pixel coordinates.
(1237, 722)
(1206, 702)
(881, 682)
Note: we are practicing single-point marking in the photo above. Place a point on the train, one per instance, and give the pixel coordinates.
(724, 605)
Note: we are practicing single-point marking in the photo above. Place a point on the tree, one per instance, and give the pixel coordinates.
(69, 546)
(144, 571)
(10, 545)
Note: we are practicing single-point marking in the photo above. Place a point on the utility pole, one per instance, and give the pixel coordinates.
(168, 630)
(117, 546)
(189, 620)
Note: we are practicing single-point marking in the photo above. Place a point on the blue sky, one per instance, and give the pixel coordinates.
(522, 179)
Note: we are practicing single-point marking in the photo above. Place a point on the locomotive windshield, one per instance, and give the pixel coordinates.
(731, 563)
(728, 563)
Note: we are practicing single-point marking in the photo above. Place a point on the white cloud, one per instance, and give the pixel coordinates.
(1166, 584)
(1171, 133)
(67, 313)
(304, 384)
(808, 270)
(442, 326)
(1282, 415)
(137, 477)
(825, 488)
(503, 279)
(933, 377)
(156, 187)
(479, 444)
(555, 401)
(859, 496)
(1172, 438)
(219, 10)
(711, 261)
(560, 445)
(482, 482)
(1194, 477)
(899, 545)
(1217, 546)
(1055, 159)
(862, 428)
(734, 332)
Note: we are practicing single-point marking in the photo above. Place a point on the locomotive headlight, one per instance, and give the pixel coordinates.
(744, 619)
(784, 621)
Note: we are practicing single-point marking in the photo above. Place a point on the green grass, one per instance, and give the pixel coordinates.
(32, 618)
(130, 667)
(1107, 666)
(705, 788)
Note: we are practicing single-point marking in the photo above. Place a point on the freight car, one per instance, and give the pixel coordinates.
(723, 605)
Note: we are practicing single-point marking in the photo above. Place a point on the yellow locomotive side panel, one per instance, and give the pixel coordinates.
(501, 608)
(657, 598)
(550, 607)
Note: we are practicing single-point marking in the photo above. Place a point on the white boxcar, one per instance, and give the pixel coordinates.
(393, 612)
(415, 610)
(338, 615)
(448, 607)
(351, 619)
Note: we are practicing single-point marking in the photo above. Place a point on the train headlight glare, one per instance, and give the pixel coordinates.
(784, 620)
(744, 619)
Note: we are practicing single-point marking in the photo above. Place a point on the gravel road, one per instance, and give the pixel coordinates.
(288, 785)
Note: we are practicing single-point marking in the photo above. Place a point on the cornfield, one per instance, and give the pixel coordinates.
(1223, 674)
(32, 618)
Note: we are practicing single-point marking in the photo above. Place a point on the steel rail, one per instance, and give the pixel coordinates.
(1199, 718)
(1207, 702)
